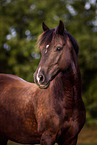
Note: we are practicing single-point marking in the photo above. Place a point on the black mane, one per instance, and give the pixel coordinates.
(74, 43)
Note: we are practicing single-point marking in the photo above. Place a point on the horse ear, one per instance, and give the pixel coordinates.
(60, 28)
(45, 28)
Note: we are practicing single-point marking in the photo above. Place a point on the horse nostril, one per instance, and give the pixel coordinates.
(41, 78)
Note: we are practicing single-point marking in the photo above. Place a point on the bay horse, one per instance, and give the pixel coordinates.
(51, 110)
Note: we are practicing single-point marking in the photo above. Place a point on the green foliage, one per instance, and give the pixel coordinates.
(20, 25)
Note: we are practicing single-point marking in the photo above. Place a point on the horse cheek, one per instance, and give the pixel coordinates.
(65, 61)
(62, 63)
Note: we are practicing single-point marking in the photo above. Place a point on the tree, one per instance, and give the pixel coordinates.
(20, 25)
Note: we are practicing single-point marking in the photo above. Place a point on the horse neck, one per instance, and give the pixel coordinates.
(67, 86)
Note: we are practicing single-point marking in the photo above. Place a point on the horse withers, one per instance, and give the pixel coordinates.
(53, 110)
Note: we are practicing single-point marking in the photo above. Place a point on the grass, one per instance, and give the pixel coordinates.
(87, 144)
(87, 136)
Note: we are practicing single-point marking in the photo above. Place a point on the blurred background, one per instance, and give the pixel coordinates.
(20, 26)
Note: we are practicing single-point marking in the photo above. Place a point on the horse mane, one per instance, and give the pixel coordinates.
(47, 36)
(74, 43)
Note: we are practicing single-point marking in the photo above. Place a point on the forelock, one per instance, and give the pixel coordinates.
(46, 37)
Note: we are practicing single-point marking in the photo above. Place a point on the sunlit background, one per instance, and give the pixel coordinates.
(20, 26)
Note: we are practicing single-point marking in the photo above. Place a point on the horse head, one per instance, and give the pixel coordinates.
(56, 54)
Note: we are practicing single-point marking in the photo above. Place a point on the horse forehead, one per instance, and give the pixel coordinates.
(58, 39)
(47, 46)
(55, 40)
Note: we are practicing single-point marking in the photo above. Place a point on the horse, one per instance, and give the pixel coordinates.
(51, 110)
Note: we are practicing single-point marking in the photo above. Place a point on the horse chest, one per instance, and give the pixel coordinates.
(47, 111)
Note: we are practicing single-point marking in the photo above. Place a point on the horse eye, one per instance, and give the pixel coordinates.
(59, 48)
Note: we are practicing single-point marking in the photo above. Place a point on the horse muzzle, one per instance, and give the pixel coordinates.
(40, 79)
